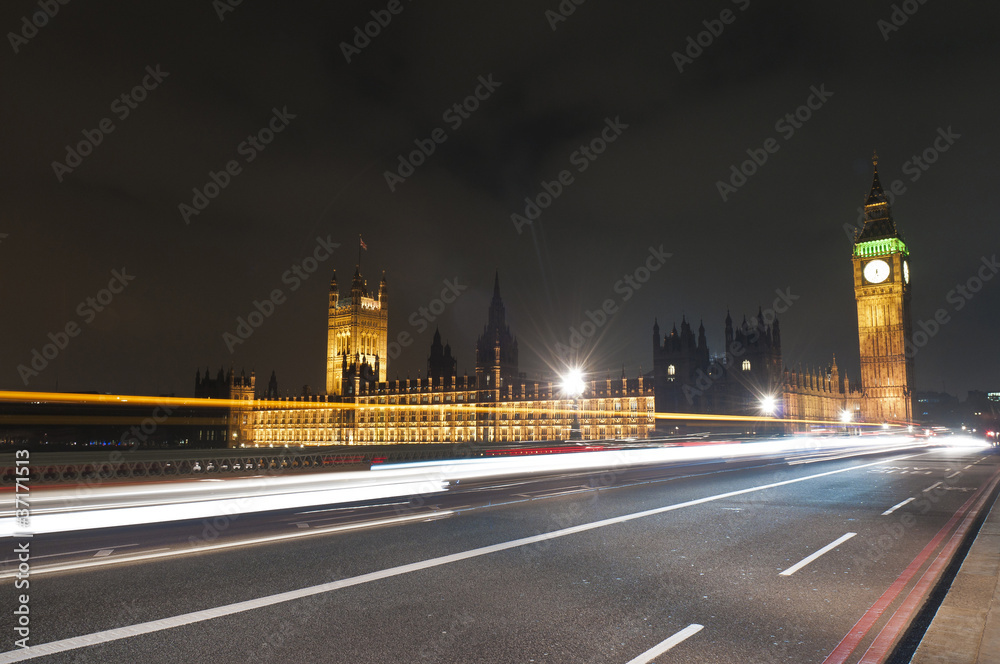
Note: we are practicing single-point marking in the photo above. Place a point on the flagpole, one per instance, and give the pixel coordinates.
(359, 253)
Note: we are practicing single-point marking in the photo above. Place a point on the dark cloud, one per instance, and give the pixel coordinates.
(324, 175)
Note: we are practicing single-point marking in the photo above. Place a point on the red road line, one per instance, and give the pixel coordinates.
(883, 643)
(861, 628)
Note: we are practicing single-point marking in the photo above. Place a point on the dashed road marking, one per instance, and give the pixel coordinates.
(666, 645)
(808, 559)
(897, 506)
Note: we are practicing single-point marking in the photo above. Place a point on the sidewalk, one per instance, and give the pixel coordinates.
(966, 628)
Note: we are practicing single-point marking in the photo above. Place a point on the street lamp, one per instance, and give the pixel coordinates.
(846, 416)
(768, 405)
(573, 387)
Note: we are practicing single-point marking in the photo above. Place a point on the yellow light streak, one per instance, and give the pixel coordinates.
(502, 407)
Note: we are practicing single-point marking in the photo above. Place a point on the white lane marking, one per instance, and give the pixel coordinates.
(808, 559)
(355, 507)
(936, 484)
(967, 467)
(73, 553)
(823, 457)
(156, 553)
(104, 553)
(239, 607)
(658, 650)
(897, 506)
(955, 474)
(560, 493)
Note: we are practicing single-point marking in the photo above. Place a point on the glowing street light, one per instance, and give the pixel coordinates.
(768, 405)
(573, 387)
(845, 417)
(572, 383)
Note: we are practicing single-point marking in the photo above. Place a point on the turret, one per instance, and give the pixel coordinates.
(272, 387)
(357, 285)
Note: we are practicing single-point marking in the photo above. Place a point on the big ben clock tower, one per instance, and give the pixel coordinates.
(882, 289)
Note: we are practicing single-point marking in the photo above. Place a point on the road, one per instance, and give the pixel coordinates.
(752, 559)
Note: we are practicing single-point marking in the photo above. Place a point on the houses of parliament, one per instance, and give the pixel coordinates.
(498, 403)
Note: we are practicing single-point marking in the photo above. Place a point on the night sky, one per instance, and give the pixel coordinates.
(553, 83)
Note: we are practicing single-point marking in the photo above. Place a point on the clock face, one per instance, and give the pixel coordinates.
(906, 271)
(876, 271)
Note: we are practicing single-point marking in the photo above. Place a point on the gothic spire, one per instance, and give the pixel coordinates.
(878, 215)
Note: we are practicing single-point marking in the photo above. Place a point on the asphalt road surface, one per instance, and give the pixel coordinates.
(751, 560)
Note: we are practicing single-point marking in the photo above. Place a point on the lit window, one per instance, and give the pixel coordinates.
(746, 365)
(671, 370)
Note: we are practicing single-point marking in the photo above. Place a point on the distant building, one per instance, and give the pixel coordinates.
(885, 326)
(938, 408)
(232, 387)
(498, 403)
(495, 404)
(750, 378)
(357, 337)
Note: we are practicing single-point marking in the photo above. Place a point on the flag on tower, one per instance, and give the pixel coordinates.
(363, 245)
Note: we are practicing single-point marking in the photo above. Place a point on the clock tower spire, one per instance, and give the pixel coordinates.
(885, 328)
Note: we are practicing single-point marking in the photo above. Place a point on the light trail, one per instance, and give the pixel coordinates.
(96, 638)
(61, 510)
(281, 404)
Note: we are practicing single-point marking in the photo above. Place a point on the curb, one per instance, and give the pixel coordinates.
(966, 627)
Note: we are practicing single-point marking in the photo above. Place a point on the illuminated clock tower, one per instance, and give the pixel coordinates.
(882, 289)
